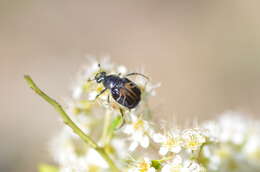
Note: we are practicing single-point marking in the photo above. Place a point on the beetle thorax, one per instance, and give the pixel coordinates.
(111, 81)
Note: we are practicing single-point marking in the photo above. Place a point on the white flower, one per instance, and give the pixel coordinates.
(85, 74)
(92, 95)
(122, 70)
(73, 154)
(193, 139)
(214, 160)
(180, 165)
(233, 128)
(238, 143)
(119, 145)
(193, 166)
(174, 166)
(170, 142)
(212, 130)
(231, 143)
(64, 151)
(252, 148)
(139, 131)
(94, 158)
(150, 88)
(147, 87)
(83, 84)
(77, 91)
(142, 166)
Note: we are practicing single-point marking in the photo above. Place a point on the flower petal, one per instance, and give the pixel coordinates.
(163, 151)
(133, 146)
(158, 138)
(145, 142)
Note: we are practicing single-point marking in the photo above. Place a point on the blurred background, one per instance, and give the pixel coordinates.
(205, 53)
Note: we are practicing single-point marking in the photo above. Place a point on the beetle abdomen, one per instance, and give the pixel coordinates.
(127, 94)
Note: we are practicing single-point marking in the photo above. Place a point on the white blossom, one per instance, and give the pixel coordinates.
(139, 131)
(170, 142)
(193, 139)
(142, 166)
(179, 165)
(229, 143)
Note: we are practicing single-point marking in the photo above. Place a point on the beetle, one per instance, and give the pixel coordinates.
(124, 91)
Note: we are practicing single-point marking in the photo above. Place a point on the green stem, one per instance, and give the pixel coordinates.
(71, 124)
(165, 159)
(104, 136)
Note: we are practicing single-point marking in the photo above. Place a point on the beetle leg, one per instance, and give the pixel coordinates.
(122, 117)
(101, 93)
(120, 95)
(134, 73)
(108, 98)
(124, 100)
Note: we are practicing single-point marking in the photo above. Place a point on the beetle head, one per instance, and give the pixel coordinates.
(100, 76)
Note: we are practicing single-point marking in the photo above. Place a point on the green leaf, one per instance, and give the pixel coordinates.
(156, 164)
(115, 123)
(113, 126)
(47, 168)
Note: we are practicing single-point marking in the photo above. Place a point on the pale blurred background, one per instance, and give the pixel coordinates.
(206, 54)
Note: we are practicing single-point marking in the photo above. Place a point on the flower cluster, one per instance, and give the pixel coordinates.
(231, 143)
(238, 146)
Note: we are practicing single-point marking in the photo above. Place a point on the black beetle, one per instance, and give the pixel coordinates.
(124, 91)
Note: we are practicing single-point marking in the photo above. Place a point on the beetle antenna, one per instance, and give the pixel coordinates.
(135, 73)
(100, 68)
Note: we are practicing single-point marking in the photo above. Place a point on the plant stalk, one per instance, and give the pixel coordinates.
(67, 120)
